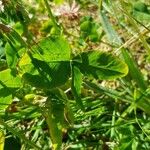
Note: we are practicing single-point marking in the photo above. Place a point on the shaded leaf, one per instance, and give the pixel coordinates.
(76, 85)
(55, 120)
(50, 75)
(12, 55)
(5, 98)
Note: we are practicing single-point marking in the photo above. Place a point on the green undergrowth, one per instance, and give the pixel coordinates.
(74, 75)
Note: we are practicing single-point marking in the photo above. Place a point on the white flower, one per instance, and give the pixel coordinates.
(1, 6)
(70, 11)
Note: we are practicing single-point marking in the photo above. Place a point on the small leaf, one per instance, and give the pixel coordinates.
(101, 65)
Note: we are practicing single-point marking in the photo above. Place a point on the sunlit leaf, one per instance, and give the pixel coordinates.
(101, 65)
(52, 49)
(9, 80)
(8, 85)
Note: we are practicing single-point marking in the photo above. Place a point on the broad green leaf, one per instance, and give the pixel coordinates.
(76, 85)
(100, 65)
(134, 71)
(49, 69)
(48, 75)
(8, 85)
(52, 49)
(8, 80)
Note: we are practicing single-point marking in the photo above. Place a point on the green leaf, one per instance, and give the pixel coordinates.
(12, 55)
(86, 26)
(112, 35)
(143, 101)
(25, 65)
(8, 85)
(140, 6)
(55, 120)
(49, 75)
(58, 1)
(14, 48)
(134, 71)
(144, 104)
(7, 79)
(5, 97)
(141, 16)
(100, 65)
(49, 64)
(52, 49)
(76, 85)
(126, 143)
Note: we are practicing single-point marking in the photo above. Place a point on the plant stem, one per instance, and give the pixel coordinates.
(51, 15)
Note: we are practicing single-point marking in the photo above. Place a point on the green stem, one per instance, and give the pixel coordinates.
(2, 140)
(51, 15)
(100, 4)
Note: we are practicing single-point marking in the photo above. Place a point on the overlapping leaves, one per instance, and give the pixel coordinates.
(48, 65)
